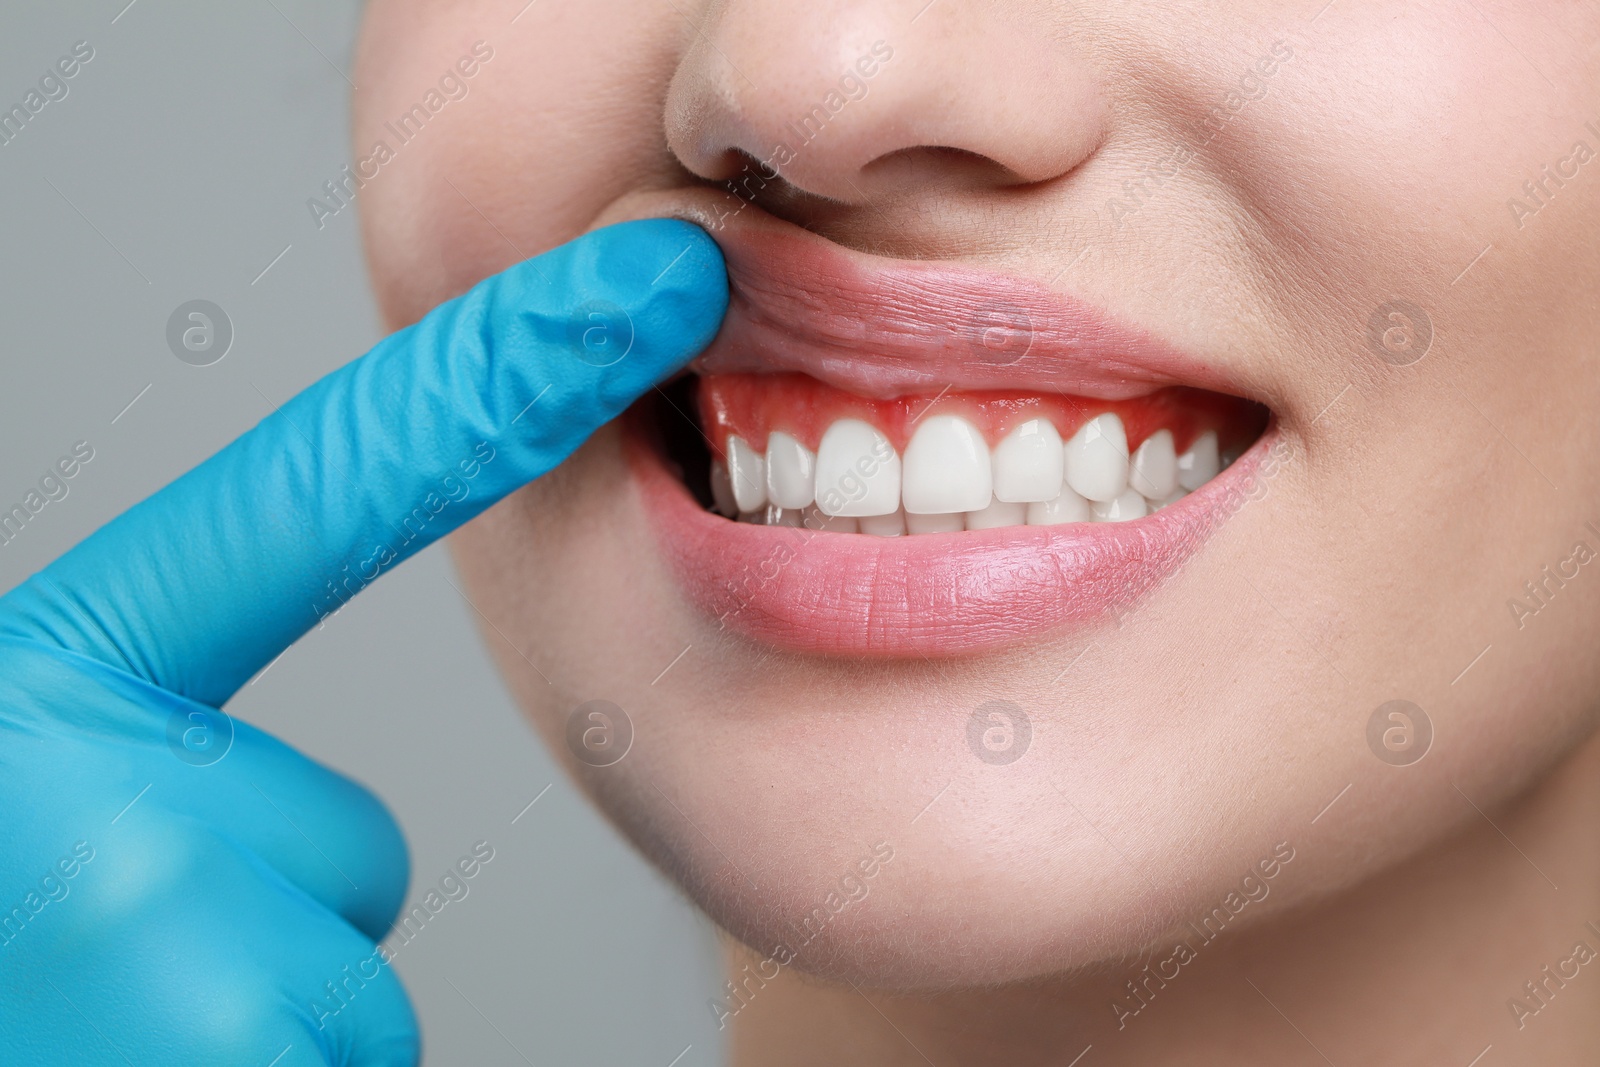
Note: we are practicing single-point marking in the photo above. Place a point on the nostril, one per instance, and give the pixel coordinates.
(751, 182)
(934, 165)
(750, 178)
(761, 182)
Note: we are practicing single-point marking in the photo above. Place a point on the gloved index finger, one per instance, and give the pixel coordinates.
(204, 583)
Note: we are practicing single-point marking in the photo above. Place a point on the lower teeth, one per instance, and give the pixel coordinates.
(1068, 508)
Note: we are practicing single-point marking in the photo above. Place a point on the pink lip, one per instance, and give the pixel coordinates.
(929, 594)
(883, 327)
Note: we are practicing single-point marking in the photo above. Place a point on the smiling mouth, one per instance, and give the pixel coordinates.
(893, 458)
(788, 450)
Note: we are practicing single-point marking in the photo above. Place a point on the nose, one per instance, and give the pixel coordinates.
(850, 100)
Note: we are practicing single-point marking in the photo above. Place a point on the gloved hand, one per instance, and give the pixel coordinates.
(177, 888)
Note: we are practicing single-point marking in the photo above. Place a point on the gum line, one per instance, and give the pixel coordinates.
(751, 406)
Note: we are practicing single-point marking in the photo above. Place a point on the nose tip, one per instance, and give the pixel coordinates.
(848, 101)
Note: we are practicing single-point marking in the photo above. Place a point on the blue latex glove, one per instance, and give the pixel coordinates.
(161, 905)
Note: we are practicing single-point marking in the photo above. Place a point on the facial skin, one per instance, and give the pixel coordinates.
(1173, 751)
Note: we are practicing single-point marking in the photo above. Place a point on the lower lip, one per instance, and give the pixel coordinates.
(927, 594)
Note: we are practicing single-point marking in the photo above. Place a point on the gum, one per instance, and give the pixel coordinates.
(753, 405)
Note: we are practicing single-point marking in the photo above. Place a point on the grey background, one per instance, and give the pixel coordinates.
(177, 168)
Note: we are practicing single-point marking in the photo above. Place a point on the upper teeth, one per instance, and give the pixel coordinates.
(1029, 464)
(1097, 459)
(1200, 464)
(950, 480)
(947, 468)
(745, 471)
(791, 471)
(1153, 471)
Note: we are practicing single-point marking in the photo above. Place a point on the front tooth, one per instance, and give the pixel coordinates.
(1201, 463)
(722, 490)
(1097, 458)
(1068, 507)
(1128, 505)
(858, 471)
(884, 525)
(791, 471)
(1154, 469)
(747, 469)
(947, 468)
(1028, 463)
(779, 516)
(998, 513)
(927, 524)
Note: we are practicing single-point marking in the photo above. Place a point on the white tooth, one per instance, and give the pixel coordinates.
(858, 471)
(1097, 458)
(947, 468)
(747, 469)
(1154, 470)
(1200, 464)
(926, 524)
(884, 525)
(1171, 498)
(814, 519)
(722, 490)
(1028, 463)
(1129, 505)
(777, 516)
(791, 472)
(998, 513)
(1068, 507)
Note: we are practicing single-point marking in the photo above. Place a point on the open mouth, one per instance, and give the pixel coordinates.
(900, 458)
(788, 450)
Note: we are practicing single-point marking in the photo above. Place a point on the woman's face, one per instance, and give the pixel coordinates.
(1375, 220)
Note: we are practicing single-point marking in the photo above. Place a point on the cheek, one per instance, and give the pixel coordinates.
(568, 573)
(502, 176)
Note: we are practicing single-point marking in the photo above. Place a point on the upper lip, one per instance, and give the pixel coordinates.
(890, 327)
